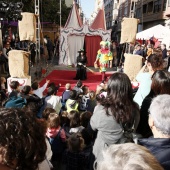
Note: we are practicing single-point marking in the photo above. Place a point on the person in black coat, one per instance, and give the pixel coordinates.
(81, 73)
(4, 62)
(159, 122)
(164, 51)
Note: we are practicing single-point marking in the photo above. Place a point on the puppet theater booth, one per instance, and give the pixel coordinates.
(19, 59)
(76, 36)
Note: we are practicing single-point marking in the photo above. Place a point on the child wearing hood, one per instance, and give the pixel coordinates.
(56, 137)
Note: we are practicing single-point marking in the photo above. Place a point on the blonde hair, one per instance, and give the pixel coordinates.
(68, 86)
(128, 156)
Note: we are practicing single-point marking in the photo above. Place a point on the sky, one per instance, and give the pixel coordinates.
(87, 7)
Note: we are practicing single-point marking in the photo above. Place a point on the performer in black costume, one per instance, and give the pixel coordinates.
(81, 66)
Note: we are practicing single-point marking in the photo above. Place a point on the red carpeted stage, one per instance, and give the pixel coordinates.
(62, 77)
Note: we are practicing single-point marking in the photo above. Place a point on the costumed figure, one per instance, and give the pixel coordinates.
(104, 56)
(81, 66)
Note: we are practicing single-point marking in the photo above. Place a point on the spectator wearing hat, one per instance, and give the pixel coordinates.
(81, 65)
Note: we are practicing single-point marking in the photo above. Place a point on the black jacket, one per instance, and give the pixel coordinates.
(143, 126)
(164, 53)
(160, 148)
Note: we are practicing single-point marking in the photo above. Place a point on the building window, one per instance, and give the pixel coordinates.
(150, 7)
(144, 8)
(113, 23)
(157, 6)
(132, 5)
(120, 13)
(164, 5)
(125, 11)
(138, 13)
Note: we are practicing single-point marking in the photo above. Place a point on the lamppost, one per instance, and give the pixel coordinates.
(60, 16)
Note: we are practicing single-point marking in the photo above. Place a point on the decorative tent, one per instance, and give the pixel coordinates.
(75, 36)
(158, 31)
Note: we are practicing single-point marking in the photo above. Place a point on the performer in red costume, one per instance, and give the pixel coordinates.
(104, 56)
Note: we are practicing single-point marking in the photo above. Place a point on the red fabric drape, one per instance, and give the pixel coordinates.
(92, 45)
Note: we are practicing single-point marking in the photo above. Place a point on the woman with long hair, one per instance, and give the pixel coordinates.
(115, 112)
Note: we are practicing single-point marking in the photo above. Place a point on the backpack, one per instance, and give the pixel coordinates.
(57, 145)
(15, 102)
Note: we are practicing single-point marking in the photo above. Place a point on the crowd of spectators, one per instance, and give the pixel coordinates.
(81, 129)
(11, 41)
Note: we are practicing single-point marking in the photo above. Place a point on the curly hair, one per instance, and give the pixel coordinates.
(156, 61)
(22, 139)
(119, 98)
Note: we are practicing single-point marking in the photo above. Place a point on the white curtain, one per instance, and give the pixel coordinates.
(75, 43)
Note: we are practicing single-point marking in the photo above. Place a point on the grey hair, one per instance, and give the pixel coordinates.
(160, 112)
(128, 156)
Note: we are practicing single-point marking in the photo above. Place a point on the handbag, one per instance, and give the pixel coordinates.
(129, 136)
